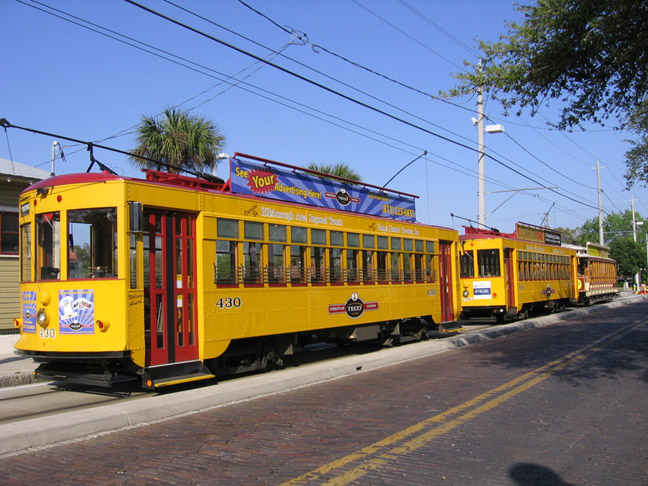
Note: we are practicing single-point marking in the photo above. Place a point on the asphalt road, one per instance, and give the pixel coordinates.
(559, 404)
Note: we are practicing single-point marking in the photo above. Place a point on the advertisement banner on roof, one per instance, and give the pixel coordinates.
(297, 187)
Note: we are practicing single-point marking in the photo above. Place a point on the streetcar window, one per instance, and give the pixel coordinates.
(253, 231)
(368, 241)
(227, 228)
(381, 264)
(429, 246)
(353, 240)
(429, 264)
(25, 253)
(353, 274)
(318, 272)
(276, 263)
(407, 244)
(298, 263)
(225, 268)
(318, 237)
(335, 263)
(418, 246)
(48, 241)
(337, 238)
(467, 264)
(297, 234)
(252, 258)
(367, 266)
(395, 266)
(396, 244)
(277, 232)
(383, 243)
(407, 265)
(488, 262)
(93, 243)
(132, 237)
(418, 267)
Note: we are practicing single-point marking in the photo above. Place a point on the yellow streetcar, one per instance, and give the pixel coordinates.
(507, 276)
(174, 279)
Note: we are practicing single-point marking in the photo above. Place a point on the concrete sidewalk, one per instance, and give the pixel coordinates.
(44, 431)
(14, 370)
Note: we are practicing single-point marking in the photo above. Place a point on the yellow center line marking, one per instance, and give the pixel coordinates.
(502, 393)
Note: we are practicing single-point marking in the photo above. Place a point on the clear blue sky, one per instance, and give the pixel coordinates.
(62, 78)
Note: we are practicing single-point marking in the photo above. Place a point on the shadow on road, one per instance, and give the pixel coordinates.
(525, 474)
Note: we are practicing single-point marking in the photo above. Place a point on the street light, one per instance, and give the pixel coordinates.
(479, 121)
(481, 193)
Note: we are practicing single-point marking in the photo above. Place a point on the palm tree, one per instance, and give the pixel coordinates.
(179, 141)
(339, 170)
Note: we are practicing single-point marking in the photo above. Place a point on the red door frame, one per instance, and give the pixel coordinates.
(172, 310)
(445, 274)
(510, 278)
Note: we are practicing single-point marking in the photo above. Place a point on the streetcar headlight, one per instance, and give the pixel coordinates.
(466, 293)
(42, 317)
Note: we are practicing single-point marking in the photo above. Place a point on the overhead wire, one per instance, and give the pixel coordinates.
(227, 78)
(319, 47)
(304, 38)
(290, 100)
(436, 26)
(407, 35)
(454, 39)
(339, 94)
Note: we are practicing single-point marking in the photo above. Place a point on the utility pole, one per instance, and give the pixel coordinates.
(634, 220)
(600, 202)
(634, 236)
(481, 192)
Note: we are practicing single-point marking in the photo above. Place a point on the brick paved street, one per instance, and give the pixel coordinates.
(515, 411)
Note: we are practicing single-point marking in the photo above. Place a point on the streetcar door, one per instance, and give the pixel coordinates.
(510, 277)
(170, 287)
(445, 274)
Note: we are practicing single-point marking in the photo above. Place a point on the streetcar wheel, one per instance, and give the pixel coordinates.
(269, 359)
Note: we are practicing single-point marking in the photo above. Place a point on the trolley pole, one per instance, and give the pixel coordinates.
(600, 202)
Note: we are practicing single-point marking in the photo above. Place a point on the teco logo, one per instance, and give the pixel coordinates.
(354, 306)
(343, 197)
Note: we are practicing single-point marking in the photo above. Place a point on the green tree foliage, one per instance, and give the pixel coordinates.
(179, 141)
(592, 55)
(615, 226)
(619, 236)
(339, 170)
(569, 236)
(630, 256)
(637, 156)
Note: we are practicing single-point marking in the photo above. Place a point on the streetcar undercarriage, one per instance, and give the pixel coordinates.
(242, 355)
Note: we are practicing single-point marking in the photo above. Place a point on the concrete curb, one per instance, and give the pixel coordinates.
(44, 431)
(20, 378)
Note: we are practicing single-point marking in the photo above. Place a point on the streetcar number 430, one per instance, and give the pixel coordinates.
(229, 303)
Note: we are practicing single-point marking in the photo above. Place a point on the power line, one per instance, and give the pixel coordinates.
(453, 38)
(339, 94)
(232, 84)
(319, 47)
(407, 35)
(421, 92)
